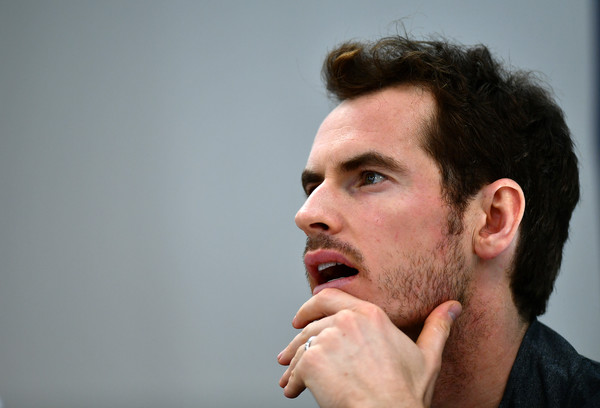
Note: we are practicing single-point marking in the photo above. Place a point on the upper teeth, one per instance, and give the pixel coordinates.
(326, 265)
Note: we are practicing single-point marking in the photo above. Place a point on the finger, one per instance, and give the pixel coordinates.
(295, 381)
(312, 329)
(295, 386)
(283, 381)
(436, 330)
(326, 303)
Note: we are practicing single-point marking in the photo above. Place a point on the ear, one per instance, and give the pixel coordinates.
(502, 206)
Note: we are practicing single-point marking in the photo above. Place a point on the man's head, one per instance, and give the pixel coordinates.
(375, 214)
(479, 124)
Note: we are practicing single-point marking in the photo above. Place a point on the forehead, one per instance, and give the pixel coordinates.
(390, 121)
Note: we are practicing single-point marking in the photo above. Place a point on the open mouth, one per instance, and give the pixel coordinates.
(330, 271)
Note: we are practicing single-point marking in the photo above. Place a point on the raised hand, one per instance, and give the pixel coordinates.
(358, 357)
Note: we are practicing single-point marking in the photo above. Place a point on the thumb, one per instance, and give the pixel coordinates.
(436, 330)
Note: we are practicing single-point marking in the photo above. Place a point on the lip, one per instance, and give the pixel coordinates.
(313, 259)
(338, 283)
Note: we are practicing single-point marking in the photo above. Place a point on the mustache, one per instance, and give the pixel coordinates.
(323, 241)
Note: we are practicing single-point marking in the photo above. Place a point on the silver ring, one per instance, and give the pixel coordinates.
(307, 344)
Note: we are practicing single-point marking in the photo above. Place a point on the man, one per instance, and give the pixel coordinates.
(439, 194)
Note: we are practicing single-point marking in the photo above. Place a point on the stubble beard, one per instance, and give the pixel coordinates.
(409, 292)
(422, 282)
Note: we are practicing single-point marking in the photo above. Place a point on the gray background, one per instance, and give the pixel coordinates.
(150, 154)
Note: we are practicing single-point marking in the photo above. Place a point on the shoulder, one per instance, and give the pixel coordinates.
(549, 372)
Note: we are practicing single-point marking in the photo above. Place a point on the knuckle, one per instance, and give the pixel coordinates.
(308, 359)
(374, 313)
(346, 319)
(443, 326)
(372, 310)
(344, 315)
(326, 335)
(308, 362)
(304, 333)
(326, 294)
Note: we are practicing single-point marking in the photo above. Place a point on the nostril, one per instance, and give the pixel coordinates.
(320, 225)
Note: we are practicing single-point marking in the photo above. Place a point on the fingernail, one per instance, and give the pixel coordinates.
(279, 356)
(455, 310)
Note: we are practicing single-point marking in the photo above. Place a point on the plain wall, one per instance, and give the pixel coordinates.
(150, 154)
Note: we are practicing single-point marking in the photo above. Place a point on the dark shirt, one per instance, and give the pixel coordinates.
(548, 372)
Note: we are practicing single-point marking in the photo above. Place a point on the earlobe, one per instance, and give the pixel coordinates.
(502, 205)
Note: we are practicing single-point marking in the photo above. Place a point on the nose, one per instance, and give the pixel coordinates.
(320, 213)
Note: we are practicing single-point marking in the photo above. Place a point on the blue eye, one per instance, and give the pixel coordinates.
(372, 177)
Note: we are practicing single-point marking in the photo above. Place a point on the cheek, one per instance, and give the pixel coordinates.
(412, 227)
(389, 231)
(403, 223)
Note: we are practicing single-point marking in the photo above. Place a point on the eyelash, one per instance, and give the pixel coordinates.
(362, 181)
(371, 174)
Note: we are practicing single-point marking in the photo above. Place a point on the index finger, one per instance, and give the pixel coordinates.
(325, 303)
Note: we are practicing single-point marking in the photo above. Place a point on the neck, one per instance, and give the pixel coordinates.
(480, 352)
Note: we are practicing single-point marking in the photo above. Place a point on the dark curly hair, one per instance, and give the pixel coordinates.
(490, 123)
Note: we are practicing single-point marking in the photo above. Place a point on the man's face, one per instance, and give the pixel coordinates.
(375, 219)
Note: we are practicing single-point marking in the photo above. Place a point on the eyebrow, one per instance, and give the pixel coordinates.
(367, 159)
(374, 159)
